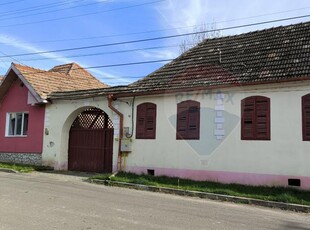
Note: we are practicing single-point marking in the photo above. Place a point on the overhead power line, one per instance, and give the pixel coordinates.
(125, 64)
(155, 38)
(106, 66)
(103, 53)
(51, 11)
(150, 31)
(82, 15)
(36, 8)
(8, 3)
(160, 30)
(14, 59)
(168, 29)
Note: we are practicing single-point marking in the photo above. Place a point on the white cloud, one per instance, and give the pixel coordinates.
(157, 54)
(21, 45)
(225, 13)
(183, 14)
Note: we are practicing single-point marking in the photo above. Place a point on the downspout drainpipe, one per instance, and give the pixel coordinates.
(121, 122)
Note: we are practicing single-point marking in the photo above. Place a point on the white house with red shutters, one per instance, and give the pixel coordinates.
(233, 109)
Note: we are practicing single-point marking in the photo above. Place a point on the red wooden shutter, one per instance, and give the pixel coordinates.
(150, 124)
(182, 117)
(193, 121)
(140, 123)
(188, 120)
(262, 107)
(255, 118)
(247, 118)
(146, 121)
(306, 117)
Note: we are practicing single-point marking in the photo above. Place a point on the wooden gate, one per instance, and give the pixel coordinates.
(91, 142)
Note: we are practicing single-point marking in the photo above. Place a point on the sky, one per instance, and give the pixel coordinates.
(36, 26)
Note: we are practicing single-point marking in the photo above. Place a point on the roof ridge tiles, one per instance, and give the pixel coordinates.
(46, 82)
(38, 70)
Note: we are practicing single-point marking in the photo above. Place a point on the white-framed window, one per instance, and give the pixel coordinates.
(17, 124)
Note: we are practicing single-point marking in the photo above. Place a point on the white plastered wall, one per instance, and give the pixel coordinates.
(284, 154)
(219, 149)
(58, 120)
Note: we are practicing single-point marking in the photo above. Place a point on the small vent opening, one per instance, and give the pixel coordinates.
(151, 172)
(294, 182)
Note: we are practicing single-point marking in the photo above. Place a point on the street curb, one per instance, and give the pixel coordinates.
(211, 196)
(8, 170)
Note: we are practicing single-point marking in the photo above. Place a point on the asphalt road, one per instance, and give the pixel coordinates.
(52, 201)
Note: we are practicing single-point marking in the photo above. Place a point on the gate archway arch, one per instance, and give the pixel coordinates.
(91, 142)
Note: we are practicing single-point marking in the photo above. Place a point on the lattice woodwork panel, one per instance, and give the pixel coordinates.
(93, 118)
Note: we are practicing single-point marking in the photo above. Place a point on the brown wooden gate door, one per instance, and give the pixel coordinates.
(91, 142)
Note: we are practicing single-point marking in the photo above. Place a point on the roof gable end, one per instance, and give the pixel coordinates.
(12, 74)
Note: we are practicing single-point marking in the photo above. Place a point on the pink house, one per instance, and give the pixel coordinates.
(23, 98)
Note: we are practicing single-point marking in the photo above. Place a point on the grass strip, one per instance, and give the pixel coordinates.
(22, 168)
(279, 194)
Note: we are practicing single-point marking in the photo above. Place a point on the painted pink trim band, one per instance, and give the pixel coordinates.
(225, 177)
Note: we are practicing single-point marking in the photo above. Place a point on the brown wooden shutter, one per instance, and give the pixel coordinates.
(193, 121)
(150, 124)
(188, 120)
(146, 121)
(182, 117)
(262, 106)
(306, 117)
(140, 123)
(248, 118)
(255, 118)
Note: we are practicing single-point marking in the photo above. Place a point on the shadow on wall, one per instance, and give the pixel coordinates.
(214, 129)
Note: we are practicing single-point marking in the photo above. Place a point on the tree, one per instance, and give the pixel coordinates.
(210, 32)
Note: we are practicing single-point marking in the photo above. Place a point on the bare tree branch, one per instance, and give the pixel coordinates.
(194, 39)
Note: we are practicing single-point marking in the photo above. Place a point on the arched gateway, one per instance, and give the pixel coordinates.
(91, 142)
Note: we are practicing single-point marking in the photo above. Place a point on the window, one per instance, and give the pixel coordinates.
(146, 121)
(17, 124)
(306, 117)
(188, 120)
(255, 118)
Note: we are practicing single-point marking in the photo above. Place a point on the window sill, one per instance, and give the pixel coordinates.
(145, 138)
(23, 136)
(186, 139)
(256, 139)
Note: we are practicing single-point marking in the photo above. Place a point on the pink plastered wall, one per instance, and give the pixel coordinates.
(15, 100)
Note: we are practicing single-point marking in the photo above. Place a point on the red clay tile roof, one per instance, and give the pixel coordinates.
(270, 55)
(65, 68)
(69, 77)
